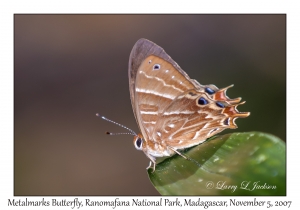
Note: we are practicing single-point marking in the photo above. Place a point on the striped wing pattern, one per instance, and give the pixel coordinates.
(155, 91)
(173, 111)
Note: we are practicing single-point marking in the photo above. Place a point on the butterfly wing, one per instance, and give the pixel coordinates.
(193, 117)
(165, 100)
(151, 90)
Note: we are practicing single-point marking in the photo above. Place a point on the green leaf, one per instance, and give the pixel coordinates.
(232, 164)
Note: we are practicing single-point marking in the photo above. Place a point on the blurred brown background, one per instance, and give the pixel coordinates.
(69, 67)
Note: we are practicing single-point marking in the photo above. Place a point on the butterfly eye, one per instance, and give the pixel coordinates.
(138, 144)
(202, 101)
(156, 67)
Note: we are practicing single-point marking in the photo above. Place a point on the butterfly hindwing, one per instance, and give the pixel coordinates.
(189, 121)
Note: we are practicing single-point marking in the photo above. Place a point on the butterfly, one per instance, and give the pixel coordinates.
(173, 111)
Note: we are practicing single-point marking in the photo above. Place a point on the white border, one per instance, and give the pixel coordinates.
(8, 8)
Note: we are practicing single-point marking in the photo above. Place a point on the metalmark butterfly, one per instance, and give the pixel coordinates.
(173, 112)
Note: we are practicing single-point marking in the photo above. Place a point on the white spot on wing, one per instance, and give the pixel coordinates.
(197, 134)
(207, 116)
(171, 125)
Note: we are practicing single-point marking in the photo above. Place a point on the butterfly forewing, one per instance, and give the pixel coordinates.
(142, 49)
(157, 84)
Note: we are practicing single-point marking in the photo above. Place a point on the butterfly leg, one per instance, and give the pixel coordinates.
(152, 160)
(149, 165)
(173, 149)
(153, 167)
(187, 158)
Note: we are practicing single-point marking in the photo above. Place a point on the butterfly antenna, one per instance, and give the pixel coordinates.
(109, 133)
(113, 134)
